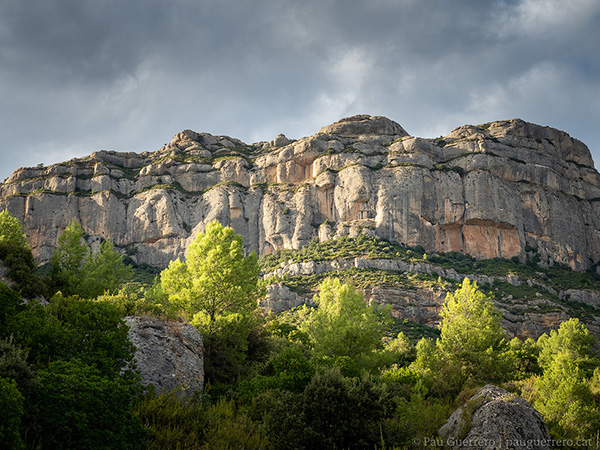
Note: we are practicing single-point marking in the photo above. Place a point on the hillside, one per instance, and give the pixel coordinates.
(513, 205)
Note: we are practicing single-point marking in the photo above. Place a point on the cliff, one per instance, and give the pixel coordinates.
(501, 189)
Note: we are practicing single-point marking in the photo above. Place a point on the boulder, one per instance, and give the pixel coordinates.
(169, 354)
(495, 419)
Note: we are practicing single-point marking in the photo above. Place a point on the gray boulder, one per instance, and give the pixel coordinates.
(169, 353)
(495, 419)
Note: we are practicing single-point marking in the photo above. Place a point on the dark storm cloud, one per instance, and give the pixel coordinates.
(77, 76)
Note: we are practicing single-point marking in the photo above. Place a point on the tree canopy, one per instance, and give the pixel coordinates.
(471, 334)
(17, 257)
(11, 232)
(216, 279)
(343, 325)
(75, 269)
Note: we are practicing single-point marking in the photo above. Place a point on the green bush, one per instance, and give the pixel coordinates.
(174, 422)
(10, 304)
(16, 255)
(10, 415)
(81, 409)
(332, 412)
(72, 328)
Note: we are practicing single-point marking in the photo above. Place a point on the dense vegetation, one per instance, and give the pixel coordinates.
(338, 375)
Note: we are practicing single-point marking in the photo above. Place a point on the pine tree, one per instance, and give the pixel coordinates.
(471, 334)
(216, 279)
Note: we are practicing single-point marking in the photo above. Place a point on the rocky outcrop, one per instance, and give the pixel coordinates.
(494, 190)
(525, 317)
(280, 298)
(169, 354)
(495, 419)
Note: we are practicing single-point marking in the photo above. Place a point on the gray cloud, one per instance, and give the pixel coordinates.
(77, 76)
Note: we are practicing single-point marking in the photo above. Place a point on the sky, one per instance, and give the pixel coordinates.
(77, 76)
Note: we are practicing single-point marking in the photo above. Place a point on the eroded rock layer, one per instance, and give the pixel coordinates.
(494, 190)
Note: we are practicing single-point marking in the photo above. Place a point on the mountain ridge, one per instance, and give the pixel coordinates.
(500, 189)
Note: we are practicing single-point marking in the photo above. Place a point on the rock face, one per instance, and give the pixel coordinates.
(495, 419)
(169, 354)
(494, 190)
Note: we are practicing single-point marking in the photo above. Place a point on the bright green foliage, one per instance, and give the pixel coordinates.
(11, 232)
(78, 270)
(343, 325)
(563, 396)
(574, 341)
(427, 354)
(68, 259)
(11, 411)
(216, 279)
(563, 393)
(80, 409)
(471, 335)
(16, 255)
(399, 350)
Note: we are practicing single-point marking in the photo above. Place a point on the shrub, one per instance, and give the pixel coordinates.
(10, 415)
(81, 409)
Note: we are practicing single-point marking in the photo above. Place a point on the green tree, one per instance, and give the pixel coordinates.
(104, 271)
(82, 409)
(572, 339)
(16, 255)
(10, 304)
(563, 393)
(11, 232)
(74, 328)
(563, 396)
(75, 269)
(216, 279)
(471, 335)
(343, 325)
(217, 286)
(10, 415)
(333, 412)
(68, 259)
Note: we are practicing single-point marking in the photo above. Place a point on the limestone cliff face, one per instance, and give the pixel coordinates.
(493, 190)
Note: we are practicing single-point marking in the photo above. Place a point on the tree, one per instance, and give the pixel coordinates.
(333, 412)
(572, 339)
(343, 325)
(78, 270)
(10, 415)
(216, 279)
(82, 409)
(104, 271)
(16, 255)
(75, 328)
(471, 334)
(11, 232)
(563, 392)
(68, 259)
